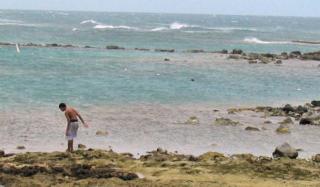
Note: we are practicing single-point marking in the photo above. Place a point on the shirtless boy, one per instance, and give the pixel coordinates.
(72, 124)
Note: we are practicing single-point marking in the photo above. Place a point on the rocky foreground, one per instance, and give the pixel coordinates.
(157, 168)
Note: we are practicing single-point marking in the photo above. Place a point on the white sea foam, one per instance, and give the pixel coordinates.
(75, 29)
(231, 29)
(184, 26)
(178, 26)
(19, 24)
(102, 26)
(159, 29)
(254, 40)
(89, 21)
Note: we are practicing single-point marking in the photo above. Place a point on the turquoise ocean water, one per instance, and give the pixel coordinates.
(47, 76)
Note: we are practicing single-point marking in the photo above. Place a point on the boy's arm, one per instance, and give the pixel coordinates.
(81, 119)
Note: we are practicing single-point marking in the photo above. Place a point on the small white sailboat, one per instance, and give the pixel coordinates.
(17, 47)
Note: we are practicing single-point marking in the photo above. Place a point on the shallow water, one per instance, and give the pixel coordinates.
(141, 128)
(140, 99)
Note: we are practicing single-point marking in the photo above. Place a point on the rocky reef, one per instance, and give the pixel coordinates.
(267, 58)
(157, 168)
(237, 54)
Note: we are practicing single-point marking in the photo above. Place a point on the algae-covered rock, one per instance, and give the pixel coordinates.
(193, 121)
(285, 150)
(316, 158)
(81, 146)
(283, 129)
(226, 122)
(102, 133)
(288, 120)
(212, 156)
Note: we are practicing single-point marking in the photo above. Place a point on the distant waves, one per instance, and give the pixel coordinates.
(174, 26)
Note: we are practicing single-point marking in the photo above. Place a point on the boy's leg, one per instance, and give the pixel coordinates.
(70, 145)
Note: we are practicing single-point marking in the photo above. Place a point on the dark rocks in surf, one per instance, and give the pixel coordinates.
(305, 121)
(301, 110)
(252, 129)
(165, 50)
(237, 51)
(285, 150)
(311, 120)
(196, 51)
(81, 146)
(88, 47)
(6, 43)
(315, 103)
(2, 153)
(278, 62)
(141, 49)
(311, 56)
(284, 56)
(21, 147)
(288, 108)
(114, 47)
(252, 61)
(316, 158)
(166, 59)
(295, 54)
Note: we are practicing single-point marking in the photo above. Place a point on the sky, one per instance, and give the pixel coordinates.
(305, 8)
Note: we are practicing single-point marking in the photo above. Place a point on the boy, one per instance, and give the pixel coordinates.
(72, 124)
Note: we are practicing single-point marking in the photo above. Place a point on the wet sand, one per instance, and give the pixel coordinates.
(140, 128)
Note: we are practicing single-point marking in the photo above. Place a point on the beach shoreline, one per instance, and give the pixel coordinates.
(156, 168)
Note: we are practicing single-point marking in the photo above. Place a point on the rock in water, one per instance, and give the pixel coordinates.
(252, 61)
(288, 108)
(288, 120)
(81, 146)
(316, 158)
(283, 129)
(301, 109)
(101, 133)
(306, 121)
(252, 129)
(2, 153)
(193, 121)
(237, 51)
(21, 147)
(316, 103)
(285, 150)
(226, 122)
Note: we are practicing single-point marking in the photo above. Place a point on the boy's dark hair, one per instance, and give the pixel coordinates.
(62, 105)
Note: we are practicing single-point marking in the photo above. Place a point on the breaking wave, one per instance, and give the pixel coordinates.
(184, 26)
(178, 26)
(101, 26)
(89, 21)
(9, 22)
(254, 40)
